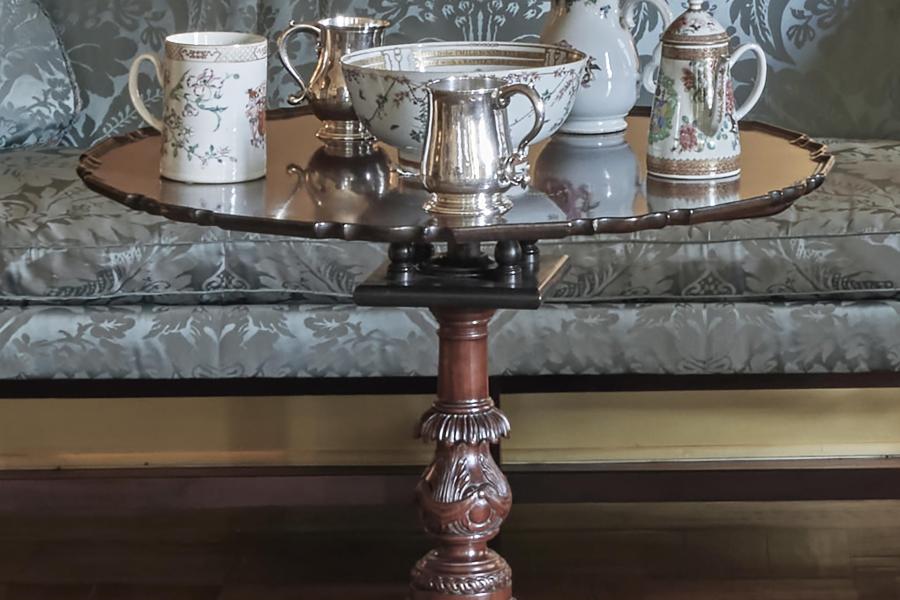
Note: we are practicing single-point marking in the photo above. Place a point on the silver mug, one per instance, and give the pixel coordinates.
(326, 91)
(469, 160)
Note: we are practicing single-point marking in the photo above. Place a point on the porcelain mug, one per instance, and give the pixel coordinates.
(469, 159)
(214, 106)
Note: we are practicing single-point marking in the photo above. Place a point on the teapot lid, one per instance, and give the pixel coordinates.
(695, 26)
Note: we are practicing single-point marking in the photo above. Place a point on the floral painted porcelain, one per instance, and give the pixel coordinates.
(214, 113)
(601, 30)
(388, 85)
(694, 121)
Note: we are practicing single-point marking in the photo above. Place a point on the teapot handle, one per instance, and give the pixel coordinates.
(628, 7)
(759, 84)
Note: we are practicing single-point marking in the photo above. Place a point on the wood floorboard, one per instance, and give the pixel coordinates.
(687, 551)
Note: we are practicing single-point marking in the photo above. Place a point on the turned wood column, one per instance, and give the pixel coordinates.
(463, 496)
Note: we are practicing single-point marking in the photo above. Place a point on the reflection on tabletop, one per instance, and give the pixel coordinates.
(573, 178)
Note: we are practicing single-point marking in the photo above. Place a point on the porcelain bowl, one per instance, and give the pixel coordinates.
(388, 85)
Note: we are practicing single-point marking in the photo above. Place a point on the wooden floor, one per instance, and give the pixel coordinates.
(738, 551)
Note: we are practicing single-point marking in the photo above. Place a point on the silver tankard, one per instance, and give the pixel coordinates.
(468, 161)
(326, 91)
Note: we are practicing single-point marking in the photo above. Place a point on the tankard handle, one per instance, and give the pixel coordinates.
(521, 154)
(154, 121)
(758, 85)
(293, 29)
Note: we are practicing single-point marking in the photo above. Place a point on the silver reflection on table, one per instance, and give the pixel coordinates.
(342, 187)
(469, 159)
(326, 91)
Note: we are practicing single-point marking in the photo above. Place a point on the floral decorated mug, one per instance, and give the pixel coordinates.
(214, 106)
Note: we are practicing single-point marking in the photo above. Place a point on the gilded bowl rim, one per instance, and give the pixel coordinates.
(574, 55)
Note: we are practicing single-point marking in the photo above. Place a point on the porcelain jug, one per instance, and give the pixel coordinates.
(694, 122)
(602, 30)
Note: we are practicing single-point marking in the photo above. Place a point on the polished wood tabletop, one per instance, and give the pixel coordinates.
(581, 185)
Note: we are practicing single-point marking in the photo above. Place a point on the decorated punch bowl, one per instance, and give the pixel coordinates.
(388, 85)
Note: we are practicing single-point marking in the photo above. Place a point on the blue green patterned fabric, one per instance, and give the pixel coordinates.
(38, 101)
(342, 340)
(831, 61)
(91, 289)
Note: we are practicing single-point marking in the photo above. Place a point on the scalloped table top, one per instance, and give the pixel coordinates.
(310, 194)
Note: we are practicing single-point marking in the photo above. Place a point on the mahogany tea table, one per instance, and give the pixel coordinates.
(583, 185)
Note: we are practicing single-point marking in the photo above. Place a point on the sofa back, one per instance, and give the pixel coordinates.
(831, 62)
(38, 102)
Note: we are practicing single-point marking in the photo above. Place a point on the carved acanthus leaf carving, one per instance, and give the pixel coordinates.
(470, 428)
(464, 492)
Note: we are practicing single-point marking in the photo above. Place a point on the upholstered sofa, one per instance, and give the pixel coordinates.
(89, 289)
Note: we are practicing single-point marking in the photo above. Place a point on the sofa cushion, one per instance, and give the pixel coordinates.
(163, 342)
(38, 100)
(60, 243)
(841, 242)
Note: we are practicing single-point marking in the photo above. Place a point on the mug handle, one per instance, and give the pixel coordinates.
(135, 93)
(761, 71)
(294, 28)
(521, 154)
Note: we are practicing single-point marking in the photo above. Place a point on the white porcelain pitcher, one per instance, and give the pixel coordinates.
(602, 30)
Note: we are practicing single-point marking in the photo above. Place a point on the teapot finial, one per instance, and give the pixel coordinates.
(695, 4)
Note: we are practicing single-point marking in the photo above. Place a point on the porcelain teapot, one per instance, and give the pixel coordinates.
(694, 122)
(602, 30)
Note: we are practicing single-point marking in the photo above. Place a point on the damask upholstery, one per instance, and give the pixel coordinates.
(831, 61)
(62, 243)
(90, 289)
(342, 340)
(38, 101)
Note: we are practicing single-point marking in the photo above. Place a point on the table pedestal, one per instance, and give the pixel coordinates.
(463, 495)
